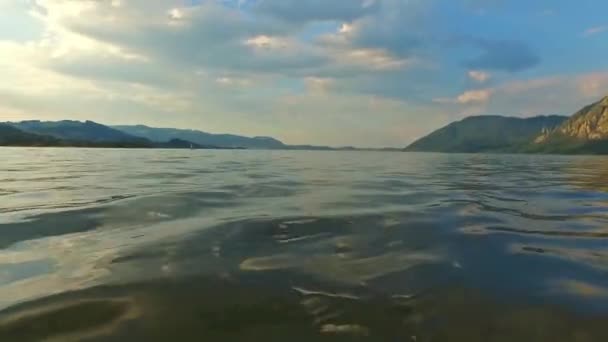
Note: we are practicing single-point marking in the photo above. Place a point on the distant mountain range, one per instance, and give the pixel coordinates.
(80, 134)
(78, 131)
(585, 132)
(228, 140)
(92, 134)
(202, 138)
(11, 136)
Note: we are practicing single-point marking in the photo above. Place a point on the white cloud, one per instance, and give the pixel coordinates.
(266, 42)
(176, 14)
(345, 28)
(595, 30)
(479, 76)
(473, 96)
(468, 97)
(233, 81)
(375, 59)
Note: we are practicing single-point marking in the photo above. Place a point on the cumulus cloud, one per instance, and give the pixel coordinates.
(468, 97)
(474, 96)
(215, 37)
(479, 76)
(237, 66)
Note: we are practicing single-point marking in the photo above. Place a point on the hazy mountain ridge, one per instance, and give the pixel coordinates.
(69, 133)
(12, 136)
(202, 138)
(77, 131)
(487, 133)
(229, 140)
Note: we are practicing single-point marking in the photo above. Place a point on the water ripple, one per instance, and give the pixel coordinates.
(407, 237)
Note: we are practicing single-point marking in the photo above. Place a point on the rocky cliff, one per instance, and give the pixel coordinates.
(590, 123)
(584, 132)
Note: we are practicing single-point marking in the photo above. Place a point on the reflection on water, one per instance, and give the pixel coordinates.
(114, 245)
(265, 310)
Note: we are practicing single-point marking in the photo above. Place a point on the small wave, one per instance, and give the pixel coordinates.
(553, 233)
(41, 179)
(349, 270)
(306, 292)
(482, 206)
(68, 205)
(302, 238)
(349, 329)
(589, 257)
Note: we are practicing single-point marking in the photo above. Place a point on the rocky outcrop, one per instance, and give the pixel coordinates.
(544, 135)
(590, 123)
(585, 132)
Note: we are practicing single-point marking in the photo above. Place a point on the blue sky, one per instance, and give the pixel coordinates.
(336, 72)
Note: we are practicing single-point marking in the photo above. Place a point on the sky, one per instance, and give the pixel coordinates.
(327, 72)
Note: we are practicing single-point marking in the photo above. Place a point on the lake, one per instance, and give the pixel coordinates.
(157, 245)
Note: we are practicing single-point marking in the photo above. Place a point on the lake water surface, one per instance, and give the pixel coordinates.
(164, 245)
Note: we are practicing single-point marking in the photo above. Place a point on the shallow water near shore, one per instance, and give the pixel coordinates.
(142, 245)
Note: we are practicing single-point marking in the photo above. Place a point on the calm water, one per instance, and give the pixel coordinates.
(145, 245)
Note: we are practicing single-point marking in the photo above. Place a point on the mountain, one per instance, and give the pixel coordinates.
(88, 131)
(11, 136)
(584, 132)
(92, 134)
(201, 138)
(488, 133)
(80, 134)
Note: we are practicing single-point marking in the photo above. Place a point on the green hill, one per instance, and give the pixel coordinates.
(79, 131)
(11, 136)
(488, 133)
(79, 134)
